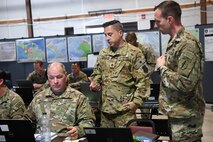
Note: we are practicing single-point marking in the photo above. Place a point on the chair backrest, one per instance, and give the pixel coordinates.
(135, 129)
(162, 127)
(141, 124)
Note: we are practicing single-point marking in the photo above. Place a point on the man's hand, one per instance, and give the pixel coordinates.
(93, 85)
(161, 61)
(73, 132)
(131, 105)
(37, 86)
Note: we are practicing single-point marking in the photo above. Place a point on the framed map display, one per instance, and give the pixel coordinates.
(29, 50)
(7, 51)
(79, 47)
(150, 39)
(56, 49)
(98, 42)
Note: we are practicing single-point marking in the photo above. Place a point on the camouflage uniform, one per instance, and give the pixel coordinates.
(150, 59)
(43, 87)
(11, 106)
(75, 81)
(64, 110)
(36, 78)
(181, 95)
(122, 80)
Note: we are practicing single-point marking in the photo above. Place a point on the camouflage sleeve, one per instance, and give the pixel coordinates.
(83, 80)
(140, 77)
(150, 60)
(96, 75)
(29, 113)
(85, 116)
(84, 77)
(30, 76)
(17, 107)
(188, 72)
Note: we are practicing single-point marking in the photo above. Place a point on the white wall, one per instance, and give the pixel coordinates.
(209, 14)
(11, 10)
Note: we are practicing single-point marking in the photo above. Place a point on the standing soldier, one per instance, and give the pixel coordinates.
(150, 61)
(119, 72)
(181, 70)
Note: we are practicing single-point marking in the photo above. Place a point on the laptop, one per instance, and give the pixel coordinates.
(141, 135)
(24, 83)
(97, 134)
(16, 131)
(93, 96)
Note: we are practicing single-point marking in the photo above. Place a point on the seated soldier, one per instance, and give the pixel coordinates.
(38, 76)
(76, 77)
(11, 104)
(66, 107)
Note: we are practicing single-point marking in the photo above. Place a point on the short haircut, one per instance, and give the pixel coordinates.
(131, 36)
(57, 64)
(116, 24)
(170, 8)
(3, 75)
(76, 63)
(39, 62)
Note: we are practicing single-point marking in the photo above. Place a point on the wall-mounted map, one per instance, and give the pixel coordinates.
(29, 50)
(151, 40)
(99, 42)
(56, 49)
(79, 47)
(7, 51)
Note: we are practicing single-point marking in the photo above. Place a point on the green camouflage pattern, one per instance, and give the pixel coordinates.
(149, 57)
(11, 106)
(36, 78)
(121, 77)
(186, 129)
(75, 81)
(64, 110)
(181, 92)
(150, 61)
(43, 87)
(116, 120)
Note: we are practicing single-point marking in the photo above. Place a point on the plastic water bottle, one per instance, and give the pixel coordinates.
(45, 130)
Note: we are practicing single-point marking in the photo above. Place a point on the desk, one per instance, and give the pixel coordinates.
(61, 139)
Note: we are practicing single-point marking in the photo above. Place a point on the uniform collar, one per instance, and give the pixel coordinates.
(177, 38)
(121, 50)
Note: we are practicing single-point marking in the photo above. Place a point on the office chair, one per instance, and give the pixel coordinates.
(141, 125)
(162, 127)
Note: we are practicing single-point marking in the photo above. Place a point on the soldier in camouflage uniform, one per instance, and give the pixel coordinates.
(118, 71)
(66, 107)
(11, 104)
(38, 76)
(76, 77)
(181, 70)
(150, 61)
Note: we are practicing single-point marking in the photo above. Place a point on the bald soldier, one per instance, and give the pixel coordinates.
(11, 104)
(66, 107)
